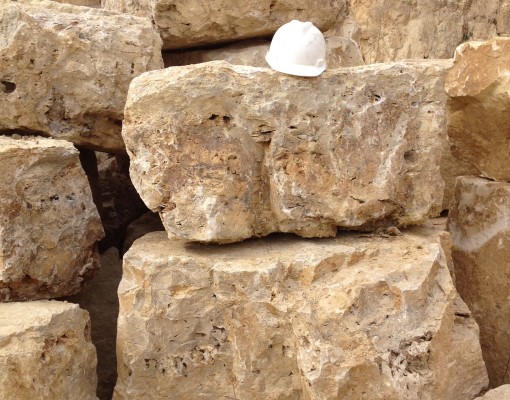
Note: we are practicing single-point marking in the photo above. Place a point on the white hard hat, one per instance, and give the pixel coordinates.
(298, 48)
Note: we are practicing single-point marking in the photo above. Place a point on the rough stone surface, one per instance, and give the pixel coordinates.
(149, 222)
(479, 108)
(99, 298)
(50, 225)
(45, 352)
(479, 223)
(341, 52)
(189, 23)
(65, 70)
(86, 3)
(500, 393)
(245, 151)
(356, 317)
(394, 30)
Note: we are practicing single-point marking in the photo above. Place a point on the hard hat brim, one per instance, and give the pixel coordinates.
(293, 69)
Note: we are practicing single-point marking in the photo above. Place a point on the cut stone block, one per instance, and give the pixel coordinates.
(46, 352)
(65, 70)
(479, 108)
(500, 393)
(49, 224)
(341, 52)
(356, 317)
(189, 23)
(248, 151)
(479, 223)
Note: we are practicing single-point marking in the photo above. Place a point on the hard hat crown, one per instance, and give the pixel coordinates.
(298, 48)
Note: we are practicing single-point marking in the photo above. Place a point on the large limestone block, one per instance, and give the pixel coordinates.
(500, 393)
(394, 30)
(50, 225)
(356, 317)
(340, 52)
(46, 352)
(479, 87)
(65, 70)
(228, 152)
(189, 23)
(479, 223)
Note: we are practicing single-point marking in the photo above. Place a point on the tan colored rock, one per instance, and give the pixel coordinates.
(500, 393)
(479, 108)
(248, 151)
(357, 317)
(86, 3)
(65, 70)
(189, 23)
(479, 223)
(46, 352)
(394, 30)
(50, 225)
(341, 52)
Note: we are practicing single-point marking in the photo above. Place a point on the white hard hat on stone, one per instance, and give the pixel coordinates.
(298, 48)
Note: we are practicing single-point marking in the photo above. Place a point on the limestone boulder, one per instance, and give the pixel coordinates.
(341, 52)
(356, 317)
(479, 223)
(65, 70)
(190, 23)
(228, 152)
(46, 352)
(392, 30)
(50, 225)
(500, 393)
(479, 108)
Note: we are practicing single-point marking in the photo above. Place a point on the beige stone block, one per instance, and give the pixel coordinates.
(479, 108)
(248, 151)
(357, 317)
(190, 23)
(46, 352)
(340, 52)
(65, 70)
(500, 393)
(479, 223)
(49, 224)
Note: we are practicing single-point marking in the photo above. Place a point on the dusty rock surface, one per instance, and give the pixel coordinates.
(50, 225)
(500, 393)
(356, 317)
(479, 223)
(479, 115)
(394, 30)
(65, 70)
(341, 52)
(99, 298)
(248, 151)
(46, 352)
(189, 23)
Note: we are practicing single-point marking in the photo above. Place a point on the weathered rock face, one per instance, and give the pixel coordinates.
(65, 70)
(479, 87)
(50, 225)
(394, 30)
(479, 223)
(248, 151)
(86, 3)
(357, 317)
(500, 393)
(45, 352)
(188, 23)
(341, 52)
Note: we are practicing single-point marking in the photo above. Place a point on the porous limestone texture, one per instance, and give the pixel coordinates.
(356, 317)
(394, 30)
(500, 393)
(479, 223)
(228, 152)
(46, 352)
(65, 70)
(189, 23)
(341, 52)
(479, 108)
(49, 224)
